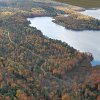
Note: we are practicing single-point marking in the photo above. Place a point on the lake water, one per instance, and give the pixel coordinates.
(93, 13)
(85, 41)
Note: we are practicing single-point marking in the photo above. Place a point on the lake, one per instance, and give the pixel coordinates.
(93, 13)
(84, 41)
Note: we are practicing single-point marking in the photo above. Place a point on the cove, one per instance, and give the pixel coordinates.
(84, 41)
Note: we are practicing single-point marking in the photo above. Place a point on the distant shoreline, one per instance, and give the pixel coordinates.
(82, 3)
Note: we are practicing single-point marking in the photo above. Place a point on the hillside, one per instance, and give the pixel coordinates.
(35, 67)
(83, 3)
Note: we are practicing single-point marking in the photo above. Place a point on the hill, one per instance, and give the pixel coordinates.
(35, 67)
(83, 3)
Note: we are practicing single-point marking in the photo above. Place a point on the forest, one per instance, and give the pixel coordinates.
(35, 67)
(77, 21)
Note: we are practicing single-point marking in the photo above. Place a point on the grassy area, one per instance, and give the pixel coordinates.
(83, 3)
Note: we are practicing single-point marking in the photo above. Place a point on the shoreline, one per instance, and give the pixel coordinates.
(93, 65)
(77, 21)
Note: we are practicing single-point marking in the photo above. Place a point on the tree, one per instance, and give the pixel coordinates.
(98, 98)
(66, 97)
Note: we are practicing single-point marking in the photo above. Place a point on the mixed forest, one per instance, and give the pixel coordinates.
(35, 67)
